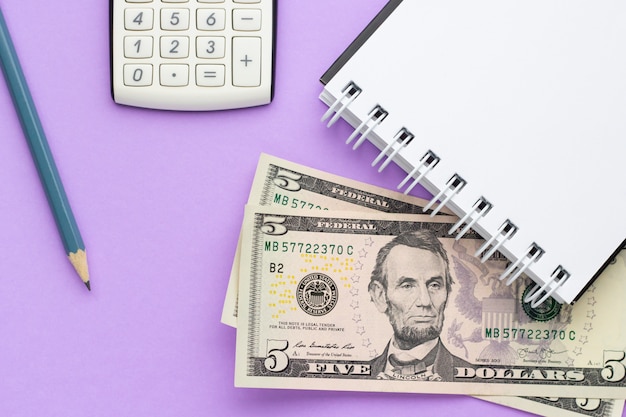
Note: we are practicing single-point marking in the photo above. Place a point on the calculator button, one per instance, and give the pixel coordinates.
(246, 61)
(211, 19)
(175, 19)
(174, 75)
(138, 1)
(174, 46)
(175, 1)
(138, 75)
(247, 19)
(138, 46)
(210, 75)
(210, 46)
(210, 1)
(247, 1)
(138, 19)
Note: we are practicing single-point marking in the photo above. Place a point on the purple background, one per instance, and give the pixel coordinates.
(159, 198)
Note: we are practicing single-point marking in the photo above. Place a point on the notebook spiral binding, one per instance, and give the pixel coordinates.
(539, 293)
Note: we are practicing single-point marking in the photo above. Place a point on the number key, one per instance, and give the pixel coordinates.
(211, 19)
(138, 19)
(174, 47)
(138, 46)
(175, 19)
(210, 46)
(138, 75)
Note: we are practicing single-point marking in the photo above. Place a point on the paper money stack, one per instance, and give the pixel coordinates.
(339, 285)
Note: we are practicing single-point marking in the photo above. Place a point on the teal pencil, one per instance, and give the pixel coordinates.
(27, 113)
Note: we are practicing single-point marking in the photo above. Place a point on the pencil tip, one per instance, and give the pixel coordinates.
(79, 261)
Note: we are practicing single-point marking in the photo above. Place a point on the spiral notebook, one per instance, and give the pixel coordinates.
(511, 113)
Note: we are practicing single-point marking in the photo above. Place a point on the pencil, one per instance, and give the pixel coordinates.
(40, 151)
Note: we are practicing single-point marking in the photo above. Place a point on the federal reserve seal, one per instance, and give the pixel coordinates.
(317, 294)
(545, 311)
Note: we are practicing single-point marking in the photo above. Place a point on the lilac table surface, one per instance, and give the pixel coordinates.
(159, 199)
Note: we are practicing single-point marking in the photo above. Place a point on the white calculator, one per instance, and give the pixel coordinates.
(192, 54)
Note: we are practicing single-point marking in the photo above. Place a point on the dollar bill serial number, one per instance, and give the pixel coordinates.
(285, 200)
(530, 334)
(309, 248)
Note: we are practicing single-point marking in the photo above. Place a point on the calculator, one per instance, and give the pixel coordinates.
(192, 54)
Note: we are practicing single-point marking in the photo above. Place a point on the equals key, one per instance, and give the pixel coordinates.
(210, 75)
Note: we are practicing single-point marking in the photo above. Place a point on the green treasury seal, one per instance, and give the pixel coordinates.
(545, 311)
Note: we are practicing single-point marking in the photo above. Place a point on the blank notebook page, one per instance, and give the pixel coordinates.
(526, 101)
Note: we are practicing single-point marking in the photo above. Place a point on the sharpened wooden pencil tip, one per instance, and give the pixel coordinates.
(79, 261)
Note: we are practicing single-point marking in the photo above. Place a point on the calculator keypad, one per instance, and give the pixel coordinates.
(192, 54)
